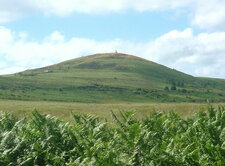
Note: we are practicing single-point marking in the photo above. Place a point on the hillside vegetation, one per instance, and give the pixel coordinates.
(111, 78)
(157, 140)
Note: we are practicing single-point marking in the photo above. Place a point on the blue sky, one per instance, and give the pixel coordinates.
(186, 35)
(133, 26)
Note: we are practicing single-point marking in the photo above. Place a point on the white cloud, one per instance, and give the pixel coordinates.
(208, 14)
(14, 9)
(200, 55)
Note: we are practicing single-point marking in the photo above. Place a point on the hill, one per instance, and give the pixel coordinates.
(111, 77)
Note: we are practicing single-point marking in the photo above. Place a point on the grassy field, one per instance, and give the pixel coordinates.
(63, 110)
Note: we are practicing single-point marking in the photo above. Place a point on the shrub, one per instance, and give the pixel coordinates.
(159, 139)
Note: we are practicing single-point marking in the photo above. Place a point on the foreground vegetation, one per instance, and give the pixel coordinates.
(159, 139)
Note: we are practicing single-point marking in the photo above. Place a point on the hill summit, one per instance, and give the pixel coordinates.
(110, 77)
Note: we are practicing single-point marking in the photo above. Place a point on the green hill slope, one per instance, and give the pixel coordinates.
(111, 77)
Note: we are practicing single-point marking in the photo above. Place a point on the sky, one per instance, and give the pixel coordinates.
(187, 35)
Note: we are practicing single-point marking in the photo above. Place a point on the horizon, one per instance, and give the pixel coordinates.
(172, 33)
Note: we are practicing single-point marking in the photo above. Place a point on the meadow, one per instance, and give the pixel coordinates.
(62, 110)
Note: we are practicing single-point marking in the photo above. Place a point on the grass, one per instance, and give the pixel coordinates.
(63, 110)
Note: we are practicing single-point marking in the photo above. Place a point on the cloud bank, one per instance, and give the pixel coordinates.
(199, 55)
(208, 14)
